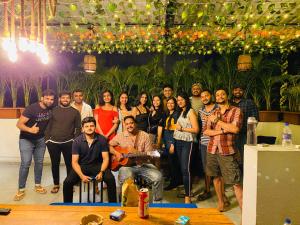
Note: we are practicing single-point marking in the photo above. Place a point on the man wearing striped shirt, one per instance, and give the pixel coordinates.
(204, 112)
(222, 127)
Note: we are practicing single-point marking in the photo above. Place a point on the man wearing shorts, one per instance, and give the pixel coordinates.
(222, 127)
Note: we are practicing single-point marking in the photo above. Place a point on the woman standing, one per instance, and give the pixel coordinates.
(106, 115)
(141, 112)
(169, 124)
(123, 109)
(186, 129)
(155, 119)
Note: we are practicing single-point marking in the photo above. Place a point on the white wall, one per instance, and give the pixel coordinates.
(9, 142)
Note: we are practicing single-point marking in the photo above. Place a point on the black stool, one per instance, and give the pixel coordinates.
(94, 182)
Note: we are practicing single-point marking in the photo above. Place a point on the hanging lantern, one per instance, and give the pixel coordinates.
(244, 63)
(90, 63)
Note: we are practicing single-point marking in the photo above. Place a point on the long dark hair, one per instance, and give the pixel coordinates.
(160, 107)
(188, 106)
(174, 113)
(139, 97)
(101, 99)
(127, 106)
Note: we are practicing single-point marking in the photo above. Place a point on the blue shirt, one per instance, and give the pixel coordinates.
(90, 154)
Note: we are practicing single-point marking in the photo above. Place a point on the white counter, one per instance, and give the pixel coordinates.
(271, 185)
(9, 142)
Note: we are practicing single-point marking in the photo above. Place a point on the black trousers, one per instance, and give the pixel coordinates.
(55, 151)
(92, 171)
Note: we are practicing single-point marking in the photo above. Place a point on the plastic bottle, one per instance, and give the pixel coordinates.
(286, 136)
(287, 222)
(251, 131)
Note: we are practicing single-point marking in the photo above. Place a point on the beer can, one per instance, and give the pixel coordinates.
(143, 209)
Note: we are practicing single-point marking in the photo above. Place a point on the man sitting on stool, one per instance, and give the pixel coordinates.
(137, 141)
(89, 159)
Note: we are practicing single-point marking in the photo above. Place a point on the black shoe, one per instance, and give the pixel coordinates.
(170, 187)
(204, 196)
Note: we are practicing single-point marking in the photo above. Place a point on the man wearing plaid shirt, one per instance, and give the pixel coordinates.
(222, 126)
(249, 109)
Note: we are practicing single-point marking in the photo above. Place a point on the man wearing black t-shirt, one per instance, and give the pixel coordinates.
(90, 159)
(63, 127)
(32, 125)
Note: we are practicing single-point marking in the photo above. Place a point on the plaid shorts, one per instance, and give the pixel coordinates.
(225, 166)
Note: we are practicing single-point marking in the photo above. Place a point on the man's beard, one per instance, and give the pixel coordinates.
(207, 103)
(65, 104)
(238, 97)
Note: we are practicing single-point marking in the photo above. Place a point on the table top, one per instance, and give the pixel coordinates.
(58, 215)
(272, 148)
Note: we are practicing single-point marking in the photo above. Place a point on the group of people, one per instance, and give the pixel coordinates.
(215, 130)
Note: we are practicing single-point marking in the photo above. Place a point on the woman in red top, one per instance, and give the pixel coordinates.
(106, 115)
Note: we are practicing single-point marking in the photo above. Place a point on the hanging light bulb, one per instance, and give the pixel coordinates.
(42, 53)
(23, 44)
(12, 51)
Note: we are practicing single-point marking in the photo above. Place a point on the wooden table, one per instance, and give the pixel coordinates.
(57, 215)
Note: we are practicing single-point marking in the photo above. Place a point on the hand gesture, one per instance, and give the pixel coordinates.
(34, 129)
(178, 127)
(172, 149)
(85, 179)
(99, 176)
(213, 118)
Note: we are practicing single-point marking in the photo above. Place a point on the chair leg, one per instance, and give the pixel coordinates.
(94, 192)
(101, 192)
(88, 192)
(80, 189)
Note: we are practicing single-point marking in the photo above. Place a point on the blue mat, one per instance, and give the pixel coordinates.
(152, 205)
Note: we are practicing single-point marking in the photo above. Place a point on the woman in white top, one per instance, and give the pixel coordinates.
(186, 129)
(123, 109)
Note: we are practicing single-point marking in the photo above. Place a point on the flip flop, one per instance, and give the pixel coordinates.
(55, 189)
(19, 196)
(40, 190)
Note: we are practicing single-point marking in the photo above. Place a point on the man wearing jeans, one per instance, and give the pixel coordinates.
(32, 125)
(137, 141)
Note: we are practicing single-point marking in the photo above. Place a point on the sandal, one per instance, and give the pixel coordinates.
(40, 190)
(55, 189)
(19, 196)
(204, 196)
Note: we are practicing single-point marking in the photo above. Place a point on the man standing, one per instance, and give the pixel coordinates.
(84, 109)
(195, 98)
(137, 141)
(208, 108)
(32, 125)
(90, 160)
(222, 126)
(249, 109)
(167, 93)
(63, 127)
(197, 104)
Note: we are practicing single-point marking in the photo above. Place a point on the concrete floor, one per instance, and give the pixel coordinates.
(9, 181)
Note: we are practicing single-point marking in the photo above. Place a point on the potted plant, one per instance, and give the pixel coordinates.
(292, 94)
(268, 82)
